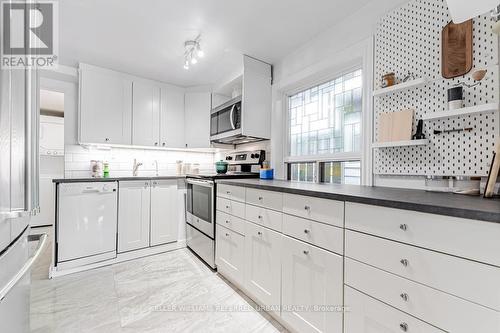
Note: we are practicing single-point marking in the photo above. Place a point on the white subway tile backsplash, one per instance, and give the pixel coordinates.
(77, 161)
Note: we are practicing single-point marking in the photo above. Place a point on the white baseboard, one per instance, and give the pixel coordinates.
(80, 265)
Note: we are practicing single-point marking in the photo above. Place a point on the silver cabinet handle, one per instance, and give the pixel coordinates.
(106, 139)
(227, 207)
(403, 327)
(163, 144)
(306, 231)
(261, 198)
(227, 235)
(259, 233)
(227, 221)
(307, 207)
(306, 252)
(228, 192)
(405, 297)
(404, 262)
(156, 143)
(42, 239)
(260, 217)
(403, 227)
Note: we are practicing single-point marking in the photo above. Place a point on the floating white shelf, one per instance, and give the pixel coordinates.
(400, 86)
(400, 143)
(462, 111)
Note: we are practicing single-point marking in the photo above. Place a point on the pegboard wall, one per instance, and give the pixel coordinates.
(408, 41)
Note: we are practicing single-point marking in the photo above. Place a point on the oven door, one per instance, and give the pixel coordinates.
(200, 205)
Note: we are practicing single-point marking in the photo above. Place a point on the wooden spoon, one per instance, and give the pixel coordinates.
(479, 74)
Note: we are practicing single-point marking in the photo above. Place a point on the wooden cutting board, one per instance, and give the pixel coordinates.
(456, 48)
(402, 123)
(385, 127)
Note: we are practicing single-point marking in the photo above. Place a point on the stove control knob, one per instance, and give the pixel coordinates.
(256, 155)
(229, 158)
(252, 156)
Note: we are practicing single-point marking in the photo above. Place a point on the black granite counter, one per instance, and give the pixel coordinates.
(116, 179)
(449, 204)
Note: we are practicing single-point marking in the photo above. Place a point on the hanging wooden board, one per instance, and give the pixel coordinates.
(456, 55)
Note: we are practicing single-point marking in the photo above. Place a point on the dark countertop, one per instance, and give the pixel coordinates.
(93, 180)
(456, 205)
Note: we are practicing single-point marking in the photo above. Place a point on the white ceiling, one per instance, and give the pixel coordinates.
(146, 38)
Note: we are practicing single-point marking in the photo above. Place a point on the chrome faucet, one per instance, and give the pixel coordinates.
(136, 167)
(156, 165)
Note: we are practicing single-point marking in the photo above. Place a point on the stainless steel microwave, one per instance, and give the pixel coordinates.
(225, 120)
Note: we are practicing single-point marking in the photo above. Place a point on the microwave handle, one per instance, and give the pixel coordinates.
(231, 117)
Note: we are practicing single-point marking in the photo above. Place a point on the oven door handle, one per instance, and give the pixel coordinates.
(205, 183)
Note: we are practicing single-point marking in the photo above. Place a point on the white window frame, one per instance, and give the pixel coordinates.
(335, 157)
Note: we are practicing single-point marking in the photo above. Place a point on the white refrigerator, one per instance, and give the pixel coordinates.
(18, 194)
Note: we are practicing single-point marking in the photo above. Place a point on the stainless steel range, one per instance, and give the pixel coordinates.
(201, 203)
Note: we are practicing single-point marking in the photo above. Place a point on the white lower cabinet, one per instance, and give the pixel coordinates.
(230, 254)
(312, 287)
(365, 314)
(263, 265)
(133, 215)
(164, 212)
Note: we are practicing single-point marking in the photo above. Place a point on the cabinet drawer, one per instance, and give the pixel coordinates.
(319, 234)
(461, 237)
(234, 208)
(236, 193)
(311, 277)
(267, 199)
(265, 217)
(323, 210)
(464, 278)
(366, 314)
(229, 256)
(440, 309)
(230, 222)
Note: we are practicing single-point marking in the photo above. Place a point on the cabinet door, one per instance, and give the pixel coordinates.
(105, 106)
(197, 107)
(172, 118)
(133, 215)
(230, 254)
(311, 277)
(145, 114)
(263, 265)
(164, 212)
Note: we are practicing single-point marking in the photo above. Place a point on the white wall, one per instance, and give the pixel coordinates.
(346, 44)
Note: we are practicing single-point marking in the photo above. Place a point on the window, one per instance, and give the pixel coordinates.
(324, 131)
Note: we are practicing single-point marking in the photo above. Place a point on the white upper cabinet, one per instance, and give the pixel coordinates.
(105, 106)
(197, 115)
(164, 212)
(172, 118)
(145, 114)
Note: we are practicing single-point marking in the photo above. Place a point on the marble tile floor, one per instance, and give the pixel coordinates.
(170, 292)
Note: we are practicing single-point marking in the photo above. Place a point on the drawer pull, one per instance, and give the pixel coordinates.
(405, 297)
(227, 221)
(228, 192)
(260, 217)
(306, 231)
(306, 252)
(227, 235)
(261, 198)
(259, 233)
(307, 208)
(403, 327)
(227, 207)
(404, 262)
(403, 227)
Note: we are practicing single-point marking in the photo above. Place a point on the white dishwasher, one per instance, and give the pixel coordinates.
(87, 221)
